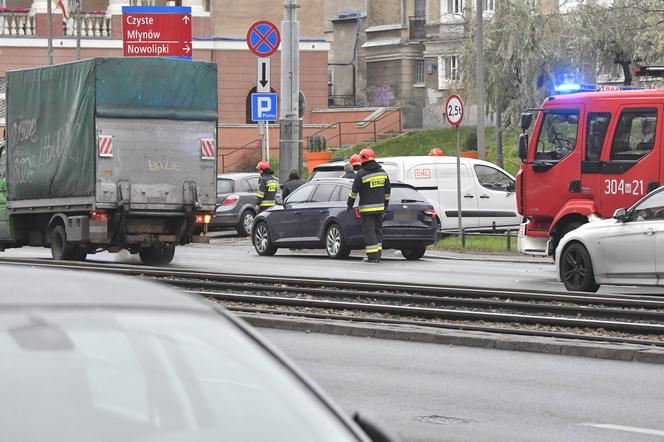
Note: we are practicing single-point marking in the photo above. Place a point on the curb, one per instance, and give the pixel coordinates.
(490, 258)
(533, 344)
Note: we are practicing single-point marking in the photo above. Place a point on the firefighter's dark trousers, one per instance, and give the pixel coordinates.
(372, 232)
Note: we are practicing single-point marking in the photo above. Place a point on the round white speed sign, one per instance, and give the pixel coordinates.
(454, 110)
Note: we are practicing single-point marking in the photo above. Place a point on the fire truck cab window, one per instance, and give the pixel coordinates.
(557, 135)
(635, 134)
(598, 123)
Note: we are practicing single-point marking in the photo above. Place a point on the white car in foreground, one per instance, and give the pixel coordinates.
(626, 249)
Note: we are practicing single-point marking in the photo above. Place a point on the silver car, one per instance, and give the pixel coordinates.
(98, 358)
(627, 249)
(236, 199)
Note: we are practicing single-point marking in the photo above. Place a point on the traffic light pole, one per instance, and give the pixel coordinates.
(290, 125)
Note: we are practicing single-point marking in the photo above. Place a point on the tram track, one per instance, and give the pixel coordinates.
(610, 318)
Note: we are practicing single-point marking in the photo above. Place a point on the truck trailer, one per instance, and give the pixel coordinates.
(109, 154)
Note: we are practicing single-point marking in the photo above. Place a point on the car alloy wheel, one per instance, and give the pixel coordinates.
(261, 240)
(246, 222)
(334, 242)
(576, 269)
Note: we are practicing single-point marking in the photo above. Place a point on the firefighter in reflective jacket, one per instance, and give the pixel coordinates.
(372, 185)
(267, 187)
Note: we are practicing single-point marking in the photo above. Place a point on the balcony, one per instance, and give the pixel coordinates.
(417, 28)
(16, 22)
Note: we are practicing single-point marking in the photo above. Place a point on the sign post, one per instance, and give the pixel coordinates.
(454, 115)
(263, 40)
(157, 31)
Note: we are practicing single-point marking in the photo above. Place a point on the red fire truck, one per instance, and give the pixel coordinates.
(589, 154)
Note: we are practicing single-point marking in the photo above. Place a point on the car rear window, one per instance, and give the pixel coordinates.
(224, 186)
(403, 194)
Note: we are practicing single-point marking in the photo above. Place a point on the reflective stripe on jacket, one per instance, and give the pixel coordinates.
(267, 191)
(372, 185)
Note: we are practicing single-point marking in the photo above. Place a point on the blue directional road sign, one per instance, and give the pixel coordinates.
(264, 107)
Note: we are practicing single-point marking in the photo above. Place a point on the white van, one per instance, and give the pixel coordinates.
(487, 191)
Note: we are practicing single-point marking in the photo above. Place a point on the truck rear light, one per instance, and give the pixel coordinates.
(203, 219)
(208, 147)
(230, 200)
(98, 216)
(357, 213)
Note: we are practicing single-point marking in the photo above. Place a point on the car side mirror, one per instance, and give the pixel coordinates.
(373, 429)
(523, 146)
(620, 214)
(526, 121)
(511, 186)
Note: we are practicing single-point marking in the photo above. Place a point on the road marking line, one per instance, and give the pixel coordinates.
(624, 428)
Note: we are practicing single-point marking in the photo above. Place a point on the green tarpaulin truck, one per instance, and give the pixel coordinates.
(109, 154)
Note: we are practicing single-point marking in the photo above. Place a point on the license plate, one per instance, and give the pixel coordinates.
(405, 216)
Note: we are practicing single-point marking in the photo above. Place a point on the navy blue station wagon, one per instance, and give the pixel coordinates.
(315, 217)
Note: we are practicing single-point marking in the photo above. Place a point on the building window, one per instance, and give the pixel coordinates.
(452, 6)
(448, 71)
(330, 82)
(489, 5)
(420, 8)
(3, 102)
(419, 72)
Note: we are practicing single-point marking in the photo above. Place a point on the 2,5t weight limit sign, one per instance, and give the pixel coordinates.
(454, 110)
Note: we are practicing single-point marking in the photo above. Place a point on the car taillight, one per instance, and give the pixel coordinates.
(430, 212)
(203, 219)
(230, 200)
(99, 216)
(357, 213)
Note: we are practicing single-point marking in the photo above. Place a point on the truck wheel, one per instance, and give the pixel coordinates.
(246, 221)
(81, 253)
(576, 269)
(61, 250)
(564, 231)
(159, 254)
(413, 254)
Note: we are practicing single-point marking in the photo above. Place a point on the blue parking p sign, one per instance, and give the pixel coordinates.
(264, 107)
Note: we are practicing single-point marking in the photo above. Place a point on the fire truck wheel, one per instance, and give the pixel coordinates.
(576, 269)
(564, 231)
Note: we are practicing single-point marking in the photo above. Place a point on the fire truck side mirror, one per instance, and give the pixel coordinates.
(526, 120)
(523, 146)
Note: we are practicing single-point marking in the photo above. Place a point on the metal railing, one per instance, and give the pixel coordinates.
(377, 127)
(247, 147)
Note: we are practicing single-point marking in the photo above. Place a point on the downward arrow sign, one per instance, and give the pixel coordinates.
(263, 81)
(263, 75)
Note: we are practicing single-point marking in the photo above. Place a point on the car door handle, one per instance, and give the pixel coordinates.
(297, 213)
(649, 232)
(324, 211)
(469, 196)
(484, 196)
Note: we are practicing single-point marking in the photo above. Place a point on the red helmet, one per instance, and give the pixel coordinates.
(367, 155)
(262, 165)
(355, 159)
(436, 152)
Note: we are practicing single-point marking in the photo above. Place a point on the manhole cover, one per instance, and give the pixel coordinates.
(442, 420)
